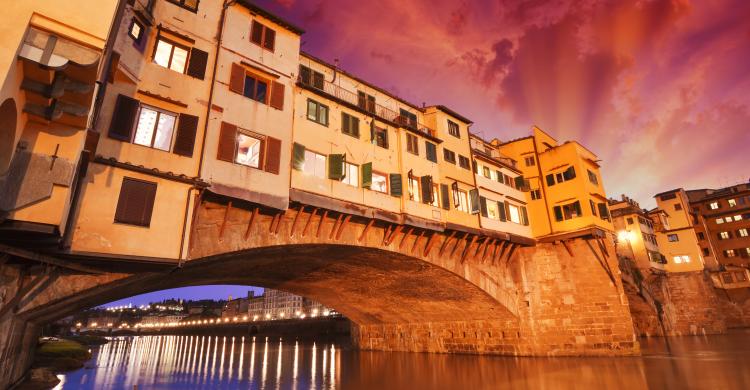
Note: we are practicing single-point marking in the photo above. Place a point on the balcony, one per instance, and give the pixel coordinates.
(348, 97)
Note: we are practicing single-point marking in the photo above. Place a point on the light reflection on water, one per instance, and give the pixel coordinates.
(211, 362)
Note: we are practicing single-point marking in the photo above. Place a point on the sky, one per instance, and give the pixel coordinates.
(659, 90)
(215, 292)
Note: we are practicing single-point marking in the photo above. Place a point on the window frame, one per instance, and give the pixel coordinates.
(352, 119)
(159, 112)
(530, 161)
(324, 173)
(412, 144)
(181, 4)
(454, 129)
(257, 81)
(452, 154)
(384, 176)
(413, 188)
(461, 159)
(462, 195)
(137, 40)
(262, 145)
(347, 177)
(376, 134)
(318, 106)
(175, 44)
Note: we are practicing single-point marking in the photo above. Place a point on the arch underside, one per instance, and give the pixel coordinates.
(369, 286)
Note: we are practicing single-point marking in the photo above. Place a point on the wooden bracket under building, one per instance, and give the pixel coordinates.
(445, 243)
(294, 222)
(429, 244)
(466, 249)
(364, 231)
(224, 221)
(42, 258)
(416, 242)
(253, 214)
(335, 225)
(567, 248)
(320, 223)
(455, 246)
(342, 227)
(307, 223)
(603, 263)
(404, 238)
(513, 247)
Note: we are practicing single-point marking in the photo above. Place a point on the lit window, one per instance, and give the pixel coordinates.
(155, 128)
(379, 182)
(352, 174)
(681, 259)
(514, 213)
(492, 210)
(719, 221)
(732, 202)
(673, 238)
(136, 31)
(713, 205)
(462, 198)
(486, 172)
(170, 55)
(729, 253)
(738, 217)
(413, 189)
(248, 150)
(724, 235)
(315, 164)
(742, 232)
(435, 198)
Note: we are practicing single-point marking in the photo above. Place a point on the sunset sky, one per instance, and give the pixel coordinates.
(658, 89)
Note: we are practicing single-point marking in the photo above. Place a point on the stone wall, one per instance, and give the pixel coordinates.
(735, 304)
(691, 304)
(645, 317)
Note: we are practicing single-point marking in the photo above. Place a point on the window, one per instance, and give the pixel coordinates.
(492, 210)
(719, 221)
(155, 128)
(435, 196)
(256, 89)
(550, 180)
(351, 174)
(568, 174)
(170, 55)
(136, 202)
(379, 182)
(630, 221)
(737, 217)
(713, 205)
(593, 207)
(413, 188)
(461, 199)
(486, 171)
(567, 211)
(705, 252)
(136, 31)
(742, 232)
(449, 156)
(407, 119)
(732, 202)
(724, 235)
(262, 36)
(190, 5)
(592, 177)
(530, 161)
(365, 101)
(701, 236)
(673, 238)
(412, 144)
(317, 112)
(380, 136)
(678, 206)
(430, 151)
(248, 150)
(349, 125)
(463, 162)
(729, 253)
(727, 219)
(315, 164)
(514, 213)
(603, 211)
(536, 194)
(311, 77)
(453, 129)
(681, 259)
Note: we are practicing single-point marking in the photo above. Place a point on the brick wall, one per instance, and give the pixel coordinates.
(691, 304)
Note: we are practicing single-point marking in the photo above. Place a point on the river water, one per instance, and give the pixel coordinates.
(219, 362)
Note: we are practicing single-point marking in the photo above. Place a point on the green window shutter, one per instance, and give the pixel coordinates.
(367, 175)
(336, 166)
(524, 216)
(426, 184)
(396, 184)
(445, 196)
(501, 209)
(483, 206)
(558, 214)
(298, 155)
(474, 198)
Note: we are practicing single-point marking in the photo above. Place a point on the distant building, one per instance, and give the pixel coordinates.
(674, 224)
(236, 308)
(275, 304)
(635, 233)
(157, 319)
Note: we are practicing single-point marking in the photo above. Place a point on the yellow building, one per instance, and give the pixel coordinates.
(566, 192)
(50, 59)
(675, 234)
(636, 237)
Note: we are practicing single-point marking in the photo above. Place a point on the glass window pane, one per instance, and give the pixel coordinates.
(249, 87)
(323, 115)
(309, 165)
(179, 58)
(135, 30)
(492, 210)
(144, 132)
(379, 183)
(161, 56)
(248, 150)
(320, 166)
(312, 110)
(515, 216)
(164, 130)
(261, 93)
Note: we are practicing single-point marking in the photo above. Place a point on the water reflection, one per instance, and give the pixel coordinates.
(208, 362)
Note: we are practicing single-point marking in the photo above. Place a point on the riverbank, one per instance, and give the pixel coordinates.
(57, 356)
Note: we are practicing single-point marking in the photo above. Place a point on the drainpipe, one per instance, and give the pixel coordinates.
(86, 155)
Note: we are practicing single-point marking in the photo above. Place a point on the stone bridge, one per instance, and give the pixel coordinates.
(404, 288)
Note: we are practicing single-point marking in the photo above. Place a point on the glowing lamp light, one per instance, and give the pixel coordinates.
(625, 235)
(244, 318)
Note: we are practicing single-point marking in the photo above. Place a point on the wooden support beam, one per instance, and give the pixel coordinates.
(494, 251)
(335, 225)
(296, 217)
(416, 242)
(453, 251)
(602, 247)
(224, 221)
(479, 247)
(22, 291)
(445, 243)
(503, 249)
(273, 223)
(403, 239)
(307, 223)
(484, 253)
(342, 227)
(29, 255)
(513, 247)
(250, 222)
(393, 234)
(364, 231)
(278, 222)
(386, 234)
(603, 263)
(466, 249)
(430, 242)
(320, 223)
(567, 248)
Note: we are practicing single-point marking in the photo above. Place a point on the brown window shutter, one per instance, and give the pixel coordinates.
(197, 64)
(256, 32)
(237, 79)
(123, 118)
(136, 202)
(277, 96)
(227, 142)
(273, 155)
(185, 138)
(269, 39)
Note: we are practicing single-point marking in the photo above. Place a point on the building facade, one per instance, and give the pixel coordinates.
(635, 233)
(280, 305)
(676, 236)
